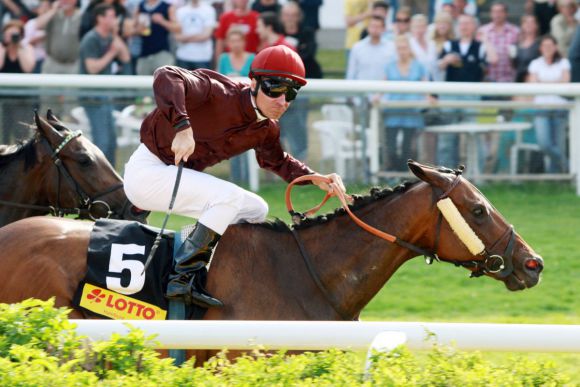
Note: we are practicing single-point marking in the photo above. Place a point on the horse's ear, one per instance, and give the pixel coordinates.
(51, 117)
(46, 129)
(432, 175)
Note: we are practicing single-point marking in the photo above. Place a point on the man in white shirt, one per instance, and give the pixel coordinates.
(369, 57)
(194, 42)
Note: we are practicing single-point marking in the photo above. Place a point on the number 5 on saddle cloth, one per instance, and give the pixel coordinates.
(115, 285)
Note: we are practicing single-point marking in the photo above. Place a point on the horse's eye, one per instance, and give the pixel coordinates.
(85, 161)
(478, 211)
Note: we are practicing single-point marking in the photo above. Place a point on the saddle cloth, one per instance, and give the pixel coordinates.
(115, 286)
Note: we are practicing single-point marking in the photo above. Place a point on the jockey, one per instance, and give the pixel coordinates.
(202, 118)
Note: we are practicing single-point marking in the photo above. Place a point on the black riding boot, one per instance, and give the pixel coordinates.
(192, 256)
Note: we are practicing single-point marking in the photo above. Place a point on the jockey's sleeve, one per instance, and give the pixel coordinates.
(171, 84)
(272, 157)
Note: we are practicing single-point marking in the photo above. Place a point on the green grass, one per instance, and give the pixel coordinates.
(547, 216)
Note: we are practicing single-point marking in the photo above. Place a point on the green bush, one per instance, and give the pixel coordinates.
(39, 347)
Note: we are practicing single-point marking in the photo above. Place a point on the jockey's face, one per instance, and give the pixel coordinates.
(271, 107)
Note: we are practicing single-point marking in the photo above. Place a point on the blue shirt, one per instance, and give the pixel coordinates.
(225, 66)
(411, 118)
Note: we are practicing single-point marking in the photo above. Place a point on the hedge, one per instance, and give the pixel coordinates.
(39, 347)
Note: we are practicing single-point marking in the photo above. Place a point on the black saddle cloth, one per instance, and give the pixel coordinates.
(116, 257)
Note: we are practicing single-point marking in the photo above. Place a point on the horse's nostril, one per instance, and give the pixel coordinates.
(535, 264)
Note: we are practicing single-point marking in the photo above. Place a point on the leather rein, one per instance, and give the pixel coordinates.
(87, 205)
(499, 265)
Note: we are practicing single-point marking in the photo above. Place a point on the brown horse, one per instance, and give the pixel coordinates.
(60, 172)
(259, 271)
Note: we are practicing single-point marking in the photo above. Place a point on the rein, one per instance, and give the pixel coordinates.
(87, 204)
(499, 265)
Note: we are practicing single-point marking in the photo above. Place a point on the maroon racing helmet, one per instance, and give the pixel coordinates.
(279, 61)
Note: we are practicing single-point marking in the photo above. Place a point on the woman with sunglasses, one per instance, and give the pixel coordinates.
(202, 118)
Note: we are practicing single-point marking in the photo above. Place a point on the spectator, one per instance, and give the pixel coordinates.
(236, 62)
(302, 37)
(406, 122)
(544, 11)
(15, 9)
(155, 20)
(310, 10)
(35, 36)
(369, 56)
(261, 6)
(501, 35)
(574, 55)
(62, 23)
(194, 42)
(243, 18)
(464, 60)
(88, 18)
(16, 56)
(550, 126)
(380, 9)
(461, 7)
(134, 41)
(100, 47)
(528, 46)
(357, 14)
(423, 49)
(294, 122)
(403, 21)
(270, 31)
(441, 30)
(564, 24)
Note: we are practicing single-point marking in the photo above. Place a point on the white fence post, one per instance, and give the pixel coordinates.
(574, 128)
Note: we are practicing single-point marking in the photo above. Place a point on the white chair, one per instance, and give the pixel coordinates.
(340, 138)
(128, 125)
(514, 155)
(82, 121)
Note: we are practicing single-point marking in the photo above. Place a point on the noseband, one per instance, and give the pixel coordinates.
(88, 206)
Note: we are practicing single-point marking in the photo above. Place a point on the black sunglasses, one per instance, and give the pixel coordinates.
(402, 20)
(274, 88)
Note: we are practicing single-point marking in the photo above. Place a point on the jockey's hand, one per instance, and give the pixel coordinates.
(183, 145)
(327, 187)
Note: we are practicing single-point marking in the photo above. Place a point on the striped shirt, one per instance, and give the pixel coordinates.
(501, 40)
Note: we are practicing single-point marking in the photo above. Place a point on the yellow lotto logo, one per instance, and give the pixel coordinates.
(118, 306)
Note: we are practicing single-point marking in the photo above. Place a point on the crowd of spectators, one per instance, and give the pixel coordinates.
(456, 47)
(436, 40)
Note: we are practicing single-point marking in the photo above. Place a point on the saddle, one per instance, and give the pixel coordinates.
(115, 286)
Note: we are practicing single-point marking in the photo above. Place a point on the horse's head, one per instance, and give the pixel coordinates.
(471, 232)
(83, 178)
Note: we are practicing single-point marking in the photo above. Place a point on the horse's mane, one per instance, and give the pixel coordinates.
(375, 194)
(23, 148)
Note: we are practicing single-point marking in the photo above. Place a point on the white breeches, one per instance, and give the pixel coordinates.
(214, 202)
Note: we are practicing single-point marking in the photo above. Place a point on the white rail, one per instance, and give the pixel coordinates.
(337, 87)
(313, 335)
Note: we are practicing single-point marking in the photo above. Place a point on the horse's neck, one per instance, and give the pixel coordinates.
(23, 187)
(353, 264)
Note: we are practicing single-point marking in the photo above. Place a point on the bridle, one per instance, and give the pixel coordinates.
(499, 265)
(88, 206)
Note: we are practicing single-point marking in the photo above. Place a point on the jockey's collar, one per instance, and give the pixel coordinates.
(260, 116)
